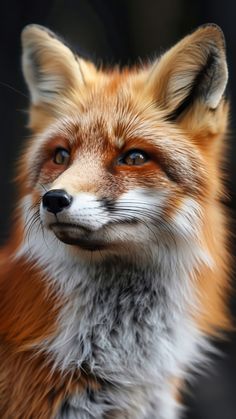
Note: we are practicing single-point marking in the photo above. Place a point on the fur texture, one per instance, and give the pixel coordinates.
(107, 303)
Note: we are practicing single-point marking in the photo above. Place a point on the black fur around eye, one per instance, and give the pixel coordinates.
(61, 156)
(134, 158)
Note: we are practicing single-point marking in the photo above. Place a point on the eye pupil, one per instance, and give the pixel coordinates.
(61, 156)
(135, 158)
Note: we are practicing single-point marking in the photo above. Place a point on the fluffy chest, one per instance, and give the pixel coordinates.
(130, 327)
(122, 322)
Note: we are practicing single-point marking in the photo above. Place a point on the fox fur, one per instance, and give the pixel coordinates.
(108, 302)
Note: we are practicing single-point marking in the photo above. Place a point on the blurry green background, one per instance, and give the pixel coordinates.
(118, 32)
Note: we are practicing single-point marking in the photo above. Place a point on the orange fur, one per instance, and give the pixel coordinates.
(29, 388)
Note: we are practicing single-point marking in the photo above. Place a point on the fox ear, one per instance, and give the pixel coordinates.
(50, 68)
(194, 70)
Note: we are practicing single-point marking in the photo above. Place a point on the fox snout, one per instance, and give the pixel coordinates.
(81, 211)
(75, 219)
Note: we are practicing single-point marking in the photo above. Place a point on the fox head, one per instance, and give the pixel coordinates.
(123, 160)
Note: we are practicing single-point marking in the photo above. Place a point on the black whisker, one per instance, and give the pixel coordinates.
(43, 187)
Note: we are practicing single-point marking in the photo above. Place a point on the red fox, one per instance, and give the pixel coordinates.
(116, 272)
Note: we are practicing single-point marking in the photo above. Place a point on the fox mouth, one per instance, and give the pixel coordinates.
(76, 235)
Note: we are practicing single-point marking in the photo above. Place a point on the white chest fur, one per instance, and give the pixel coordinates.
(131, 326)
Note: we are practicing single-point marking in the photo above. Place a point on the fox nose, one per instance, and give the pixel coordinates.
(56, 200)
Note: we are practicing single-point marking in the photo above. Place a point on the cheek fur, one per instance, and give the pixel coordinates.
(50, 172)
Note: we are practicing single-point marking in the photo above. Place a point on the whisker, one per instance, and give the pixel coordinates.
(13, 89)
(43, 187)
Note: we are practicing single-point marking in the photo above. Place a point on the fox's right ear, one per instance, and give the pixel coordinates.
(51, 70)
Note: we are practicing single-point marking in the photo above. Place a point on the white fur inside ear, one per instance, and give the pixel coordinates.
(29, 76)
(42, 87)
(218, 85)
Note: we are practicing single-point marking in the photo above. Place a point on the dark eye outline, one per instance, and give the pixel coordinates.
(121, 159)
(66, 156)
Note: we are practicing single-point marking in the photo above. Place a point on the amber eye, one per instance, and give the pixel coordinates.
(134, 158)
(61, 156)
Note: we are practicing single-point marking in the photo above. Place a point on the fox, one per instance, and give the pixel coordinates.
(115, 276)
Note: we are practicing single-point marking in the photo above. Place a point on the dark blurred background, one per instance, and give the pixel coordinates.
(118, 32)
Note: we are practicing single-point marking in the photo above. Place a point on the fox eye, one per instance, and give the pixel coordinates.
(61, 156)
(134, 158)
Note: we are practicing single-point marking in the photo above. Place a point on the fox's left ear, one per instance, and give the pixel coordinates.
(194, 71)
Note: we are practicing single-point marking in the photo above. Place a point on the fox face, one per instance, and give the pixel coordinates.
(106, 190)
(122, 160)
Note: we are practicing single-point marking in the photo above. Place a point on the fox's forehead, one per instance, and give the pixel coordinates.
(110, 126)
(116, 102)
(113, 117)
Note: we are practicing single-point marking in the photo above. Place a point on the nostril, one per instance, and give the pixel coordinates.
(56, 200)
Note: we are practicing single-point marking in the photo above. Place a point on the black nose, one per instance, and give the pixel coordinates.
(56, 200)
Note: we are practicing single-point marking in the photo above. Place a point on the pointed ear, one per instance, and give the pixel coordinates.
(193, 71)
(51, 70)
